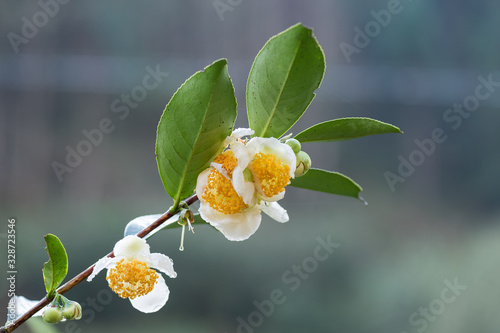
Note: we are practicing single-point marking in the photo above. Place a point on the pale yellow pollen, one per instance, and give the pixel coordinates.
(272, 174)
(131, 278)
(219, 192)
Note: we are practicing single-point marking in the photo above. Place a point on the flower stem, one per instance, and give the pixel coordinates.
(83, 275)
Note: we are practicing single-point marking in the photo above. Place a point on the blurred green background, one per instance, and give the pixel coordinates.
(397, 257)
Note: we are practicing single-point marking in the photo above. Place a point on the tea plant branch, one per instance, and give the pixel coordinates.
(83, 275)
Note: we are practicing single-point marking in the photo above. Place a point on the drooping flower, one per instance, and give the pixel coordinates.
(131, 276)
(228, 191)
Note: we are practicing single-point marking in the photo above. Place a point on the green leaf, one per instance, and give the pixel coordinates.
(344, 129)
(192, 129)
(54, 270)
(282, 81)
(328, 182)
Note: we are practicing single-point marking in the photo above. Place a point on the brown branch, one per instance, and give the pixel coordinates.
(83, 275)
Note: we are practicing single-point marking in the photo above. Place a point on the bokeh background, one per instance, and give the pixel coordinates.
(397, 256)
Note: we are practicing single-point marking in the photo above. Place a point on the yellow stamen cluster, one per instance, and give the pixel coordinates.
(131, 278)
(219, 192)
(272, 174)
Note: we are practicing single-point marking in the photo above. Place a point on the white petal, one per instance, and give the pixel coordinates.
(244, 189)
(201, 183)
(238, 227)
(102, 264)
(273, 146)
(154, 300)
(209, 214)
(289, 158)
(262, 196)
(248, 193)
(132, 247)
(237, 133)
(162, 263)
(276, 197)
(218, 167)
(240, 132)
(274, 210)
(215, 218)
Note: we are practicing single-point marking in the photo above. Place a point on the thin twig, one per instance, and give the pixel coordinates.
(83, 275)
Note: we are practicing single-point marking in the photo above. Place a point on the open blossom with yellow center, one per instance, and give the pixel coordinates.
(243, 181)
(272, 174)
(219, 192)
(272, 166)
(131, 276)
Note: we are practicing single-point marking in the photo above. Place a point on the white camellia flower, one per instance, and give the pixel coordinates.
(227, 190)
(272, 165)
(130, 276)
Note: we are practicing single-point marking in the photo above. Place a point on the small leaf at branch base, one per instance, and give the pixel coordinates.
(54, 270)
(192, 129)
(344, 129)
(282, 81)
(328, 182)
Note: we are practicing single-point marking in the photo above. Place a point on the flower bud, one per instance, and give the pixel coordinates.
(52, 315)
(294, 144)
(303, 163)
(73, 310)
